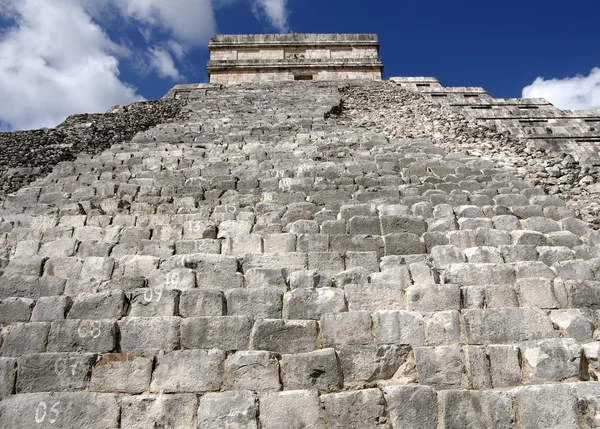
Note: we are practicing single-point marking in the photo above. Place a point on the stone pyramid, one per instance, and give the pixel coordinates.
(294, 255)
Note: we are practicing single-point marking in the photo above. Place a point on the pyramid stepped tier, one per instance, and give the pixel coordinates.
(269, 264)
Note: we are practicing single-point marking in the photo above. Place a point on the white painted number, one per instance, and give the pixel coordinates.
(172, 279)
(149, 294)
(195, 226)
(267, 196)
(230, 208)
(41, 412)
(61, 367)
(285, 183)
(89, 328)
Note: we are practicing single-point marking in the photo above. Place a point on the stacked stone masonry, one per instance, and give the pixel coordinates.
(268, 264)
(243, 58)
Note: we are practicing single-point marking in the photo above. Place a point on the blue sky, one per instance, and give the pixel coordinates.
(59, 57)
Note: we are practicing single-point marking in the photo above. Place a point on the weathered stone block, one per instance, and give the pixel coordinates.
(412, 406)
(506, 325)
(225, 333)
(346, 328)
(232, 410)
(433, 297)
(308, 279)
(8, 374)
(550, 406)
(461, 409)
(573, 323)
(50, 308)
(270, 278)
(192, 371)
(505, 367)
(122, 373)
(25, 338)
(149, 334)
(312, 303)
(366, 363)
(54, 372)
(198, 303)
(440, 367)
(61, 410)
(102, 305)
(403, 244)
(252, 370)
(398, 327)
(98, 336)
(153, 302)
(303, 410)
(319, 369)
(15, 310)
(363, 409)
(175, 411)
(442, 328)
(284, 336)
(257, 303)
(554, 359)
(374, 296)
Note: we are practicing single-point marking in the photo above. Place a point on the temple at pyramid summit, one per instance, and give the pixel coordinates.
(299, 244)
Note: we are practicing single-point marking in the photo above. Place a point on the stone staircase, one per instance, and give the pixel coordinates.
(265, 265)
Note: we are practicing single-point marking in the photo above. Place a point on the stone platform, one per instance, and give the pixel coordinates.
(285, 259)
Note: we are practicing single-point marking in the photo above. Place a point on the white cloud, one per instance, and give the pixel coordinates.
(54, 62)
(572, 93)
(162, 62)
(275, 11)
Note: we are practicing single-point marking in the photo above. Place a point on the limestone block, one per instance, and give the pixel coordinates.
(592, 356)
(433, 297)
(137, 265)
(333, 227)
(361, 409)
(356, 275)
(374, 296)
(8, 374)
(339, 329)
(398, 327)
(276, 243)
(54, 372)
(302, 226)
(583, 294)
(412, 406)
(440, 367)
(252, 370)
(270, 278)
(536, 292)
(308, 279)
(292, 261)
(366, 363)
(25, 265)
(102, 305)
(122, 373)
(550, 255)
(239, 245)
(257, 303)
(318, 369)
(206, 245)
(302, 410)
(15, 310)
(506, 325)
(61, 410)
(563, 238)
(329, 263)
(462, 239)
(284, 336)
(25, 338)
(484, 254)
(234, 410)
(312, 303)
(403, 244)
(479, 274)
(199, 303)
(357, 243)
(188, 371)
(477, 366)
(475, 409)
(97, 268)
(98, 336)
(225, 332)
(554, 359)
(573, 270)
(312, 243)
(441, 224)
(175, 411)
(153, 302)
(506, 222)
(573, 323)
(174, 278)
(519, 253)
(485, 236)
(532, 238)
(367, 260)
(134, 234)
(367, 225)
(505, 367)
(442, 328)
(549, 406)
(540, 224)
(442, 256)
(199, 229)
(149, 334)
(65, 267)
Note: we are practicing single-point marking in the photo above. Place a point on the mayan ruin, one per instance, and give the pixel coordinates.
(301, 244)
